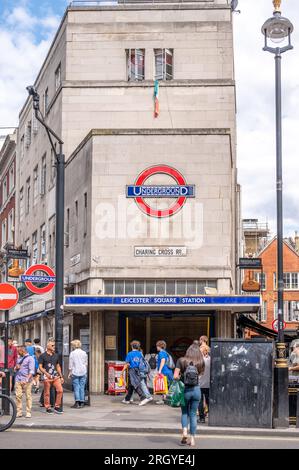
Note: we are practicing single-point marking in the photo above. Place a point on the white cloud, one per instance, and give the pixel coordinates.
(256, 115)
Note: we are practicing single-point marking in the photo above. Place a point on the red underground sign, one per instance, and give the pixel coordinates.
(30, 278)
(179, 191)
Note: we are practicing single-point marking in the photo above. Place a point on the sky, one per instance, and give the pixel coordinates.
(27, 28)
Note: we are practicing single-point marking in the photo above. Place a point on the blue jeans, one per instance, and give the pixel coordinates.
(79, 387)
(192, 399)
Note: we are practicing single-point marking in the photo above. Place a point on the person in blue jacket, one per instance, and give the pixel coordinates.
(164, 364)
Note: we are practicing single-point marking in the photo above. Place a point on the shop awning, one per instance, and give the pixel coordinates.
(249, 322)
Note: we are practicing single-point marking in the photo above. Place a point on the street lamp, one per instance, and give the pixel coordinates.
(59, 255)
(278, 30)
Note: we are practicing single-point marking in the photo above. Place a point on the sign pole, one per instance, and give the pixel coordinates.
(6, 380)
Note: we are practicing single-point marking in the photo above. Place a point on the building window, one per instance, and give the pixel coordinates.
(27, 247)
(22, 147)
(157, 287)
(10, 227)
(289, 311)
(58, 77)
(11, 178)
(4, 191)
(43, 176)
(35, 185)
(53, 167)
(34, 248)
(261, 278)
(262, 315)
(3, 233)
(21, 203)
(76, 221)
(290, 280)
(85, 216)
(135, 64)
(43, 243)
(28, 133)
(46, 100)
(28, 194)
(163, 64)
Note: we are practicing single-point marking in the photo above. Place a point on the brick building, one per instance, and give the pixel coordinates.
(268, 281)
(7, 195)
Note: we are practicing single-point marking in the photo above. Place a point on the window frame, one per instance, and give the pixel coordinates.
(133, 68)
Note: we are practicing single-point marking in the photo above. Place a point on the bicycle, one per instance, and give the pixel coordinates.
(8, 412)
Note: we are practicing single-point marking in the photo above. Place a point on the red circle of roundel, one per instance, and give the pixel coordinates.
(9, 296)
(154, 170)
(275, 325)
(39, 290)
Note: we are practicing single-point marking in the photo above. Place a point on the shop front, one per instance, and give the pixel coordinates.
(116, 321)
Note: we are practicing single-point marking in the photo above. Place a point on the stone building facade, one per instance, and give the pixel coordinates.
(143, 96)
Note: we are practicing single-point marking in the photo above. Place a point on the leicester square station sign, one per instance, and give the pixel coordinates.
(179, 191)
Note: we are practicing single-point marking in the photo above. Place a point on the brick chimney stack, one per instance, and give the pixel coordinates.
(297, 242)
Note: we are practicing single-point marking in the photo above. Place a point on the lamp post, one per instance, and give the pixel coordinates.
(278, 29)
(59, 255)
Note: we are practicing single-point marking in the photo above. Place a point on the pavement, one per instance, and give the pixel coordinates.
(108, 413)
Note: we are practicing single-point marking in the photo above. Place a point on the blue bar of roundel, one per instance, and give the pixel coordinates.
(161, 191)
(45, 279)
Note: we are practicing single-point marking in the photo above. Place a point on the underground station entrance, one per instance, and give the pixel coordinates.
(178, 329)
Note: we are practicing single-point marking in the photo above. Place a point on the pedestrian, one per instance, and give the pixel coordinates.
(12, 359)
(204, 383)
(165, 365)
(78, 372)
(29, 347)
(37, 345)
(36, 378)
(204, 341)
(294, 361)
(25, 369)
(134, 360)
(51, 370)
(151, 359)
(188, 369)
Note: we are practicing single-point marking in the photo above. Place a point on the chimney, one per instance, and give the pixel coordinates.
(297, 242)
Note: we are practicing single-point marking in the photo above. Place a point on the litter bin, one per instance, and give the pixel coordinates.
(114, 373)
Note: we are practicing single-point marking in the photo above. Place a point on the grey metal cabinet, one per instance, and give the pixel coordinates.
(241, 391)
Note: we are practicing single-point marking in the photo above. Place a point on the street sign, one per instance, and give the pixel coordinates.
(9, 296)
(275, 325)
(13, 253)
(29, 278)
(250, 263)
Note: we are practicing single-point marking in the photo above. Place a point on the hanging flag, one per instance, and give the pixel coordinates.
(156, 98)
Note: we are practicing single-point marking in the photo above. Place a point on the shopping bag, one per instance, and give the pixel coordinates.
(160, 385)
(121, 382)
(176, 394)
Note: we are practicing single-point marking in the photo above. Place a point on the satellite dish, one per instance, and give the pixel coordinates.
(233, 5)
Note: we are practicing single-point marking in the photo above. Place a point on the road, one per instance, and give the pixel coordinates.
(29, 439)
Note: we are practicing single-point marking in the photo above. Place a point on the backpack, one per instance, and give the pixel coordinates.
(144, 367)
(153, 362)
(170, 362)
(191, 375)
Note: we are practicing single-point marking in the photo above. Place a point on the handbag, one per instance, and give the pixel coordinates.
(176, 394)
(160, 385)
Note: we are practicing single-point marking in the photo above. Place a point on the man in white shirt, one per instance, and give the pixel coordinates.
(78, 372)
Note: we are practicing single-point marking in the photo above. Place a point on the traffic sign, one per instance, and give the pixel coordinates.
(9, 296)
(275, 325)
(29, 278)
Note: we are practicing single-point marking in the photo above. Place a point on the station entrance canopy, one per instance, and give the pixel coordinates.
(232, 303)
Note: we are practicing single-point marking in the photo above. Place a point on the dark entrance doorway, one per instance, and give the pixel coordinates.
(178, 329)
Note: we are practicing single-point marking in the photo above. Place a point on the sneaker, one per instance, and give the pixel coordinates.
(126, 402)
(81, 404)
(145, 401)
(49, 411)
(76, 405)
(28, 415)
(58, 411)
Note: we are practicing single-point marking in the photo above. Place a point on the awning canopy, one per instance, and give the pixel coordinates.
(249, 322)
(232, 303)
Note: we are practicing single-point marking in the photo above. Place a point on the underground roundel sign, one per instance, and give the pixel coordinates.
(39, 274)
(175, 188)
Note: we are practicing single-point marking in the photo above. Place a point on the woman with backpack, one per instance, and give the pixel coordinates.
(188, 370)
